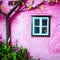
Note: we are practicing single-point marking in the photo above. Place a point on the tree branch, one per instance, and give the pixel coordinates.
(27, 7)
(11, 11)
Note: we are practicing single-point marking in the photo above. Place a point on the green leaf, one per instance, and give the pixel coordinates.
(4, 58)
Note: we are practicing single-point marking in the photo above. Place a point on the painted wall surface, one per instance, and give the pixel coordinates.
(48, 48)
(38, 46)
(2, 28)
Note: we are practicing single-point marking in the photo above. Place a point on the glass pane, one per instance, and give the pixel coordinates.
(44, 30)
(44, 22)
(36, 29)
(37, 23)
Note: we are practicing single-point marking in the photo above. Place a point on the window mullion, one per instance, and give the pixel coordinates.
(40, 26)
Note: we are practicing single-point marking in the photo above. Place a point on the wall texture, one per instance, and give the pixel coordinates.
(48, 48)
(2, 28)
(37, 46)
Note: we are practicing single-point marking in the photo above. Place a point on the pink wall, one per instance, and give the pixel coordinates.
(2, 28)
(6, 6)
(21, 30)
(37, 46)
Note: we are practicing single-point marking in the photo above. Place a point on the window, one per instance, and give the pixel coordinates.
(40, 25)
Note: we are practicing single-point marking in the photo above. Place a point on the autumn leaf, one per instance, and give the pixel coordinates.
(29, 7)
(2, 6)
(48, 0)
(41, 7)
(5, 10)
(13, 2)
(57, 1)
(22, 3)
(31, 1)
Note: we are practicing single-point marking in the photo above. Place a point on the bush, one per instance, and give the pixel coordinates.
(13, 53)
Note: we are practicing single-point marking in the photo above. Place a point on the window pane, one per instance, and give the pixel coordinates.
(44, 30)
(36, 29)
(44, 22)
(37, 23)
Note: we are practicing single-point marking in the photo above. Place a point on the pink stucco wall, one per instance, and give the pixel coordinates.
(2, 28)
(47, 48)
(37, 46)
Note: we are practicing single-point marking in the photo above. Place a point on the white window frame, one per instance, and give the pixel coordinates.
(40, 29)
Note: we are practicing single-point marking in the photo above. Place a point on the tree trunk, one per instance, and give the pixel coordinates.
(7, 29)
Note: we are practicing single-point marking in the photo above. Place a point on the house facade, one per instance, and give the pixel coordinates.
(38, 30)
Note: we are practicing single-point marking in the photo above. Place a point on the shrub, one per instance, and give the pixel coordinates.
(13, 53)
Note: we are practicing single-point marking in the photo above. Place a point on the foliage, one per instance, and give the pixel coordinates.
(6, 52)
(23, 54)
(13, 53)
